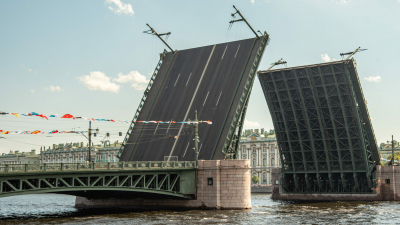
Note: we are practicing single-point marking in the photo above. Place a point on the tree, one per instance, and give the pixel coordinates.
(396, 156)
(255, 179)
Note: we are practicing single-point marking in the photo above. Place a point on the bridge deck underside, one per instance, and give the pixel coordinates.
(208, 79)
(325, 137)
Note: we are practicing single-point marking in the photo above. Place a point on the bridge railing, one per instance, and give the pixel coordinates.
(117, 166)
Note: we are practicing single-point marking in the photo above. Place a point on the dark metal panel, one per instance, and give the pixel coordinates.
(318, 113)
(208, 79)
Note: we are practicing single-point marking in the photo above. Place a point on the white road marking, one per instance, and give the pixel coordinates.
(206, 98)
(191, 102)
(188, 79)
(219, 97)
(156, 128)
(168, 127)
(237, 51)
(224, 52)
(186, 149)
(177, 80)
(200, 148)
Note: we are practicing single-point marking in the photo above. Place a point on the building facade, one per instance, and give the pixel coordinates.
(16, 157)
(76, 152)
(385, 150)
(261, 148)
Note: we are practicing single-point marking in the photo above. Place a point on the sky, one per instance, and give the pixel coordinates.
(91, 58)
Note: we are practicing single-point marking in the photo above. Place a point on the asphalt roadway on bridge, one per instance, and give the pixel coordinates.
(208, 79)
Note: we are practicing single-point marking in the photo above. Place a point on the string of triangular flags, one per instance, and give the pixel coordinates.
(69, 116)
(66, 116)
(40, 132)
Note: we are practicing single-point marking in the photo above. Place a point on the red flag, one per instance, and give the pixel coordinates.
(68, 116)
(43, 116)
(112, 120)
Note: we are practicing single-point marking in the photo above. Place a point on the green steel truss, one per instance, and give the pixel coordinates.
(101, 180)
(232, 141)
(325, 137)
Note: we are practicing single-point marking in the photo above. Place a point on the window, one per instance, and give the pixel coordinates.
(264, 149)
(272, 162)
(264, 177)
(210, 181)
(244, 150)
(387, 181)
(264, 161)
(254, 161)
(254, 150)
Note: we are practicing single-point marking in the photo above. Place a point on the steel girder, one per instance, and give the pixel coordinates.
(130, 181)
(232, 141)
(323, 129)
(139, 109)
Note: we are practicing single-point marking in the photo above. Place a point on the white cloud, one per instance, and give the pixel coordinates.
(53, 88)
(252, 1)
(248, 123)
(139, 87)
(99, 81)
(30, 70)
(325, 58)
(139, 81)
(32, 91)
(120, 7)
(373, 79)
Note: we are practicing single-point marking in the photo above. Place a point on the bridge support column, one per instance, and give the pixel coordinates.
(221, 184)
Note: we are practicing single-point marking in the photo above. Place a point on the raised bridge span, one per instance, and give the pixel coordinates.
(216, 81)
(324, 132)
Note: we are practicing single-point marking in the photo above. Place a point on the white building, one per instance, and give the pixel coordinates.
(16, 157)
(76, 152)
(261, 149)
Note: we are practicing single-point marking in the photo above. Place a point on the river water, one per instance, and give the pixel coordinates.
(59, 209)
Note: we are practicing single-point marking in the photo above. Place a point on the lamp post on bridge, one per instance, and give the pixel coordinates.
(196, 138)
(90, 139)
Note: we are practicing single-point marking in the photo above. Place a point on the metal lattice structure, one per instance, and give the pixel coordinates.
(101, 180)
(324, 132)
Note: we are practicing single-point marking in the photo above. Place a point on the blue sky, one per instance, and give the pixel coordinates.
(91, 59)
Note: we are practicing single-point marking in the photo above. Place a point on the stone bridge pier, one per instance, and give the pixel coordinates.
(221, 184)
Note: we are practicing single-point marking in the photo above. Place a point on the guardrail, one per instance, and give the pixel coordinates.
(135, 165)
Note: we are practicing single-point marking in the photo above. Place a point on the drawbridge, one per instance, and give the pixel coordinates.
(216, 81)
(324, 132)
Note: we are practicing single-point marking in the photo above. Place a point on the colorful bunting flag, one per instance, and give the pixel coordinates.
(43, 116)
(68, 116)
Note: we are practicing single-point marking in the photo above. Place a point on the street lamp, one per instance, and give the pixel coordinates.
(90, 138)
